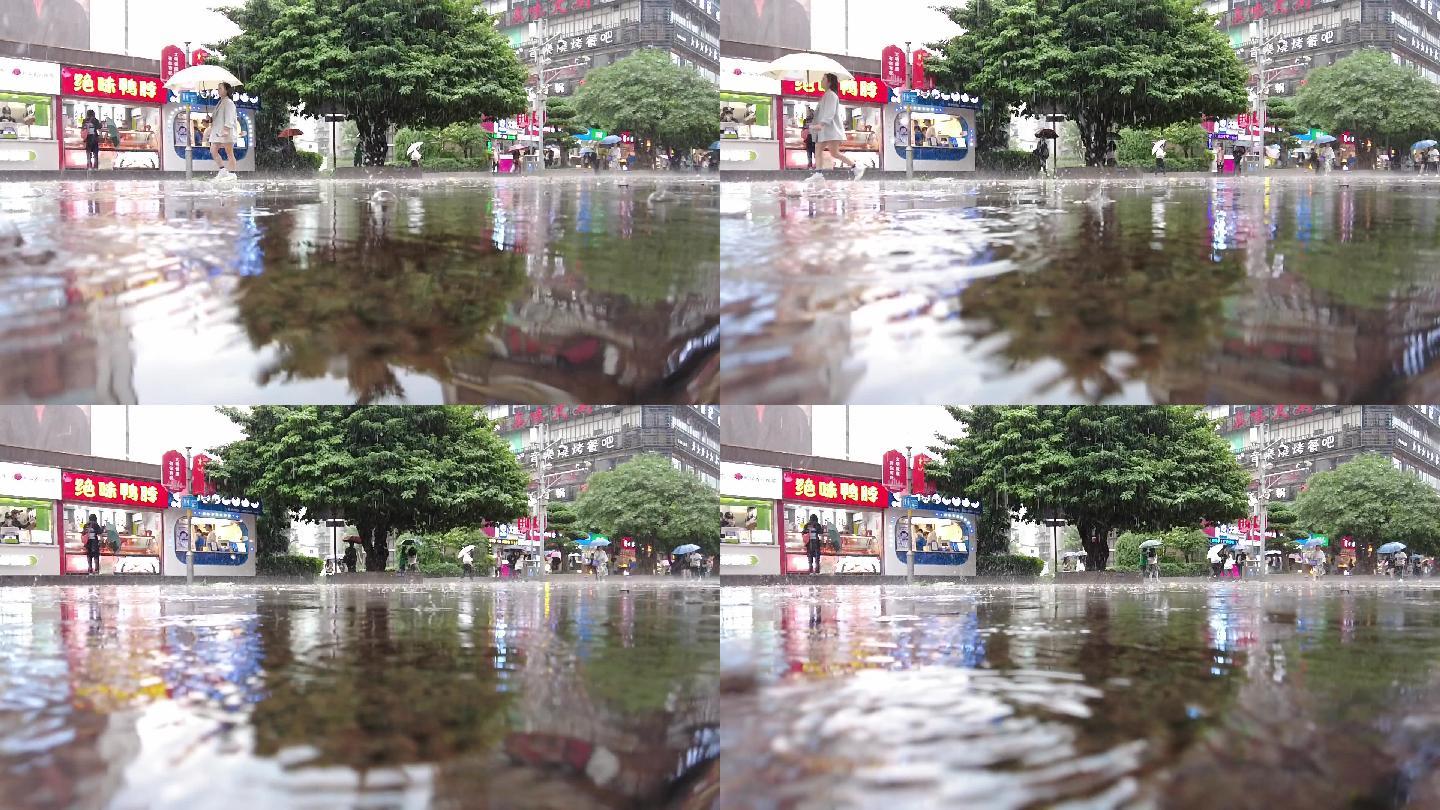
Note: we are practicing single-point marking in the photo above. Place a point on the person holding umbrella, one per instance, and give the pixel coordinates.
(828, 128)
(1151, 551)
(467, 561)
(224, 128)
(1157, 150)
(352, 557)
(1216, 556)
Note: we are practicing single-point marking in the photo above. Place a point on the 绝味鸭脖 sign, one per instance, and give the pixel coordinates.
(91, 83)
(92, 488)
(817, 488)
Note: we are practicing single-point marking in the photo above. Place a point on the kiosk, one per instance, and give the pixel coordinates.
(749, 521)
(29, 132)
(944, 531)
(224, 536)
(944, 131)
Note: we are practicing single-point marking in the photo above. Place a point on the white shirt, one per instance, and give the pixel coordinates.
(828, 124)
(224, 124)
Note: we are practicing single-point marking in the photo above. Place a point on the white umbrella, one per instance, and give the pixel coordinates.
(804, 67)
(470, 549)
(198, 77)
(1214, 553)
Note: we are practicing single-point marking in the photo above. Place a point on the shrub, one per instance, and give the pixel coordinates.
(289, 565)
(1180, 569)
(309, 160)
(441, 568)
(1005, 160)
(1009, 565)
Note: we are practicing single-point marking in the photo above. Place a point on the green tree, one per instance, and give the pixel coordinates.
(652, 97)
(1103, 468)
(387, 469)
(1367, 93)
(1282, 519)
(560, 114)
(418, 62)
(648, 499)
(1104, 63)
(1280, 113)
(1371, 501)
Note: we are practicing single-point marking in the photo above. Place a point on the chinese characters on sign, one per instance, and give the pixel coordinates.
(697, 43)
(862, 89)
(1248, 11)
(1284, 45)
(77, 486)
(1291, 449)
(698, 448)
(1273, 413)
(892, 471)
(104, 84)
(572, 449)
(892, 66)
(575, 44)
(522, 417)
(172, 61)
(172, 470)
(802, 486)
(1420, 450)
(524, 12)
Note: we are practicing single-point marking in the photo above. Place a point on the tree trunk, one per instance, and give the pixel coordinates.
(373, 540)
(1096, 540)
(1092, 138)
(373, 141)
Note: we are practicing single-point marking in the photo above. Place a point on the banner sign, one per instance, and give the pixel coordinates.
(803, 486)
(91, 83)
(91, 488)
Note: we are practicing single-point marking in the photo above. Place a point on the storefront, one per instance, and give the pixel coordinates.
(128, 108)
(29, 530)
(944, 532)
(201, 107)
(749, 139)
(749, 533)
(225, 536)
(944, 132)
(851, 513)
(28, 140)
(129, 512)
(862, 101)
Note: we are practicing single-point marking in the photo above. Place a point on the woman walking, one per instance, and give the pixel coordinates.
(224, 127)
(91, 534)
(90, 130)
(828, 129)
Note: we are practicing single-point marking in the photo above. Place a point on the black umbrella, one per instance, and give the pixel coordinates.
(1047, 133)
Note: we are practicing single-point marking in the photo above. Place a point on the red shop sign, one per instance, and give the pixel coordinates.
(859, 90)
(892, 65)
(917, 70)
(198, 56)
(917, 475)
(91, 83)
(172, 471)
(199, 484)
(90, 488)
(892, 471)
(803, 486)
(172, 61)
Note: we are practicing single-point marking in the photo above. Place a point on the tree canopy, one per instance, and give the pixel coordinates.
(381, 62)
(1371, 501)
(652, 97)
(648, 499)
(1368, 94)
(1101, 468)
(384, 468)
(1104, 63)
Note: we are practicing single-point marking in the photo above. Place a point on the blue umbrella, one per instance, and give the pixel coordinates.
(716, 146)
(687, 549)
(1313, 542)
(1391, 548)
(610, 140)
(1324, 138)
(1418, 145)
(599, 542)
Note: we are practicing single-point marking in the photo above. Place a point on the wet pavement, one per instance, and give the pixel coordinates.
(447, 289)
(492, 695)
(1234, 695)
(1187, 289)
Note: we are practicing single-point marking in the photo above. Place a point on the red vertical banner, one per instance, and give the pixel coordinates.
(199, 484)
(918, 79)
(172, 61)
(198, 56)
(918, 484)
(172, 471)
(892, 66)
(892, 471)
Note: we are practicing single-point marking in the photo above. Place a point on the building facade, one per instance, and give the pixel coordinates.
(1306, 439)
(588, 34)
(586, 439)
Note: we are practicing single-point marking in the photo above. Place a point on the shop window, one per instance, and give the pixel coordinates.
(129, 134)
(862, 132)
(939, 541)
(746, 117)
(851, 539)
(131, 541)
(746, 521)
(218, 541)
(26, 118)
(27, 522)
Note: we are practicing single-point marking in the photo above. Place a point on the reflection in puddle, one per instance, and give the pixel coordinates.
(455, 290)
(1245, 695)
(1191, 290)
(522, 695)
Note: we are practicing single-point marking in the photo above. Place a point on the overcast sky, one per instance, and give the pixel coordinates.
(875, 24)
(157, 428)
(877, 428)
(155, 24)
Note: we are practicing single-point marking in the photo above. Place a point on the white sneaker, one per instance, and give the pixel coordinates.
(817, 177)
(859, 170)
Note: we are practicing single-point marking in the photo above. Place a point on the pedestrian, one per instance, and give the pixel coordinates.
(809, 139)
(412, 558)
(1240, 557)
(351, 558)
(90, 131)
(828, 128)
(1229, 566)
(1111, 150)
(414, 154)
(1152, 563)
(224, 129)
(602, 561)
(1216, 557)
(813, 532)
(696, 564)
(91, 535)
(1041, 155)
(1432, 160)
(467, 561)
(1157, 150)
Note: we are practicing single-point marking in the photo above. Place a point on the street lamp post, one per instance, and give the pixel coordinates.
(909, 490)
(189, 519)
(543, 74)
(543, 479)
(1263, 476)
(909, 165)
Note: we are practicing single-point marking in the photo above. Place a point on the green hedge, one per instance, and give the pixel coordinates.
(309, 160)
(441, 568)
(1180, 164)
(1009, 565)
(1181, 569)
(289, 565)
(1005, 160)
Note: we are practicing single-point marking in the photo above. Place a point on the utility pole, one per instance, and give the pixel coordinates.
(542, 87)
(1261, 503)
(909, 490)
(909, 158)
(189, 519)
(1262, 88)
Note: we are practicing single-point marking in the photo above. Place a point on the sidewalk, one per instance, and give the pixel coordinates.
(345, 173)
(362, 578)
